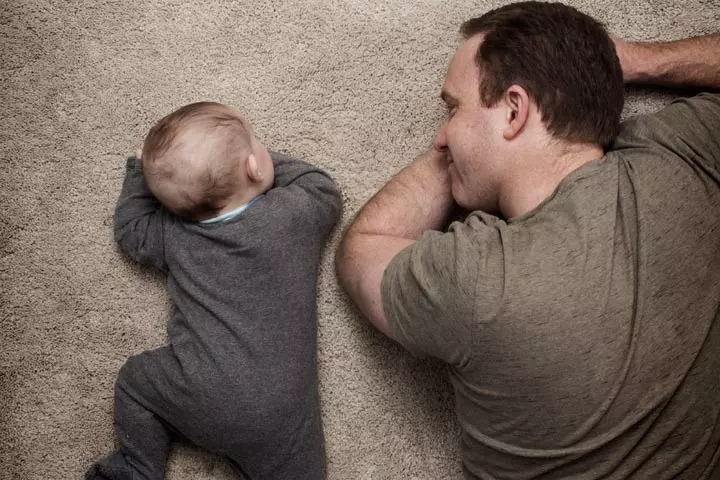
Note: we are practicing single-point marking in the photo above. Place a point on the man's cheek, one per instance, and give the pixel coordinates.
(452, 170)
(456, 182)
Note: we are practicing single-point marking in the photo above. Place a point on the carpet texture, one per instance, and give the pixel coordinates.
(350, 85)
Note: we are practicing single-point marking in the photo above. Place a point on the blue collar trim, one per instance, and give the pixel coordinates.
(232, 214)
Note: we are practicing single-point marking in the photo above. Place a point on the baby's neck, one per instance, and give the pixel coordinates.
(240, 200)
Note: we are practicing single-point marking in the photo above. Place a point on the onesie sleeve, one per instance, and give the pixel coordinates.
(307, 184)
(439, 291)
(139, 219)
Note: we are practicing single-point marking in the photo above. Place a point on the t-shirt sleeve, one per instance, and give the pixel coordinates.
(688, 127)
(438, 291)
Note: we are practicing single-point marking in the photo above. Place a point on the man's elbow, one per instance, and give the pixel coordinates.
(355, 279)
(353, 264)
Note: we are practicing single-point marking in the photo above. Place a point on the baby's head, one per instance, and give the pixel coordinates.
(203, 160)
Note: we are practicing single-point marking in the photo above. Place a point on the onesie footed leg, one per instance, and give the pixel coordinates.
(144, 444)
(112, 467)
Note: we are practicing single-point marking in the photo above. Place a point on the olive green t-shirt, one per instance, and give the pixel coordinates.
(583, 337)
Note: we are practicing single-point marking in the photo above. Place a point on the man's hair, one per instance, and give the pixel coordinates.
(564, 58)
(213, 178)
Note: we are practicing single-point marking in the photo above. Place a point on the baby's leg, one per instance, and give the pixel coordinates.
(295, 453)
(144, 444)
(144, 438)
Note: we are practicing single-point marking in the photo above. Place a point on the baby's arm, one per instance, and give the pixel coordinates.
(138, 219)
(312, 183)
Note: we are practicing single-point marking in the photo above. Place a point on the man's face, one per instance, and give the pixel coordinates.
(472, 135)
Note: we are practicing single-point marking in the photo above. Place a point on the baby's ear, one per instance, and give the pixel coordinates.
(253, 172)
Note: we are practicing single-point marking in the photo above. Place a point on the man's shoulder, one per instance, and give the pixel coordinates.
(683, 121)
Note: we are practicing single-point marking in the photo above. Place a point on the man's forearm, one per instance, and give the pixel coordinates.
(416, 199)
(693, 62)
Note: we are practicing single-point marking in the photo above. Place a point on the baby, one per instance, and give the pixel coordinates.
(239, 233)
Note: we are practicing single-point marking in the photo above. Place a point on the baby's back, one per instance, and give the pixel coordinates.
(244, 296)
(239, 376)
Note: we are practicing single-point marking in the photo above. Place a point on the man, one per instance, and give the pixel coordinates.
(578, 305)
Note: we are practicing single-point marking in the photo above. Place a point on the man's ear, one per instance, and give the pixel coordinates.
(253, 172)
(517, 103)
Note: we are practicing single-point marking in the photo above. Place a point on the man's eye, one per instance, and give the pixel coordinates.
(451, 110)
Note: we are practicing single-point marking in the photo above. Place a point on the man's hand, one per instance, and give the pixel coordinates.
(693, 62)
(416, 199)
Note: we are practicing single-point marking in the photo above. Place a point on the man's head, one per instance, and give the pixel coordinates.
(525, 67)
(203, 156)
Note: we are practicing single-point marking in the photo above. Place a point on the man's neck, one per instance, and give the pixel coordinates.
(529, 185)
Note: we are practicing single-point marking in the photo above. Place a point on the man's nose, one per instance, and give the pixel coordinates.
(440, 143)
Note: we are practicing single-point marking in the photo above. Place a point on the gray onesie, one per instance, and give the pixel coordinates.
(239, 376)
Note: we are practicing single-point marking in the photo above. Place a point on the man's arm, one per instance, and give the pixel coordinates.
(416, 199)
(693, 62)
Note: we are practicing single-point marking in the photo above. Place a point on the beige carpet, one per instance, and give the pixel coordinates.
(351, 85)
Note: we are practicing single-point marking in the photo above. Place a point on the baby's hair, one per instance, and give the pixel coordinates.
(214, 179)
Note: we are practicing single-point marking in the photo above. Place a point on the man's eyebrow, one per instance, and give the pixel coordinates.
(447, 98)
